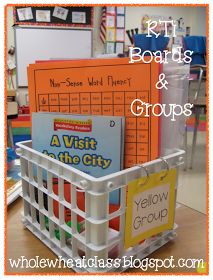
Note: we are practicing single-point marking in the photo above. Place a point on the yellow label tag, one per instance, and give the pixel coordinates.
(150, 206)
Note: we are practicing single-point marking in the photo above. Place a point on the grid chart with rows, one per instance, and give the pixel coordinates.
(116, 103)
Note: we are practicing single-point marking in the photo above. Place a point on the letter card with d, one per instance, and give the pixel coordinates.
(150, 206)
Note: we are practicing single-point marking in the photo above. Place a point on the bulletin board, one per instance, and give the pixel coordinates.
(101, 87)
(79, 16)
(115, 29)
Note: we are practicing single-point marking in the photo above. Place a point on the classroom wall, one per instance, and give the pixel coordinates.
(10, 22)
(198, 21)
(10, 33)
(195, 17)
(97, 44)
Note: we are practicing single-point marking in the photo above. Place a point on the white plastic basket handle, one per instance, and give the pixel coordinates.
(18, 151)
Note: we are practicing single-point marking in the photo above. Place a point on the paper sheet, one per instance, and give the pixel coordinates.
(110, 34)
(120, 35)
(42, 15)
(120, 22)
(25, 14)
(119, 48)
(60, 12)
(110, 48)
(78, 17)
(104, 87)
(120, 10)
(110, 21)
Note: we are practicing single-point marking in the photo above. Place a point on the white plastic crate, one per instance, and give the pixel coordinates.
(96, 239)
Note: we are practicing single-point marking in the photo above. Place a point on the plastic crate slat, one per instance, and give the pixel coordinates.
(95, 224)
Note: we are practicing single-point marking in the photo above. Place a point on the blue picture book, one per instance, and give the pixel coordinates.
(92, 144)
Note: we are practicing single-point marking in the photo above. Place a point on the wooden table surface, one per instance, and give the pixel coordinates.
(190, 242)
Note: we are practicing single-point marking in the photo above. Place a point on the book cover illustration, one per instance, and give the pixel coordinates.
(92, 144)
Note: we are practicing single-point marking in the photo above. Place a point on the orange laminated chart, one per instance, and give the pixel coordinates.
(101, 87)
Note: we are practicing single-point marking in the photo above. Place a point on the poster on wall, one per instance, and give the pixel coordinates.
(25, 13)
(120, 22)
(60, 12)
(120, 10)
(42, 15)
(78, 17)
(110, 21)
(120, 35)
(110, 48)
(115, 29)
(110, 34)
(119, 47)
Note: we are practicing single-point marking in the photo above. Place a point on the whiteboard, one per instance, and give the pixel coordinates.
(49, 43)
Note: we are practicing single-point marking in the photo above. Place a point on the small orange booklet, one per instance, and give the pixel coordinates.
(101, 87)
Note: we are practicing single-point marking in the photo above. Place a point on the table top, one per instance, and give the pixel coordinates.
(189, 244)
